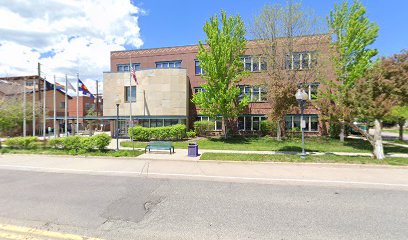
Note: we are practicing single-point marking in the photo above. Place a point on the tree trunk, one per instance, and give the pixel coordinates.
(342, 130)
(401, 124)
(278, 132)
(378, 146)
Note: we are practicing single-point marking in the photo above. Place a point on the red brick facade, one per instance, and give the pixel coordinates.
(147, 59)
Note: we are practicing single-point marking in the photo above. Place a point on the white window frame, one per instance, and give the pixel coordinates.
(301, 54)
(167, 64)
(195, 65)
(309, 117)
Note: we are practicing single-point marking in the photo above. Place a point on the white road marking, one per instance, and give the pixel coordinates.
(138, 173)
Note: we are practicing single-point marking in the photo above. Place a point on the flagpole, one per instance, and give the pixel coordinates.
(66, 105)
(97, 104)
(34, 83)
(44, 108)
(130, 110)
(24, 109)
(77, 106)
(55, 108)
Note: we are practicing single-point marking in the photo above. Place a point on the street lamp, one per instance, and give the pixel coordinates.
(117, 101)
(301, 97)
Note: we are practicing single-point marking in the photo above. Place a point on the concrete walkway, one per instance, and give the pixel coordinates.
(382, 176)
(181, 154)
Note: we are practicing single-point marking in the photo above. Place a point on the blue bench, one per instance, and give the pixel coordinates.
(160, 145)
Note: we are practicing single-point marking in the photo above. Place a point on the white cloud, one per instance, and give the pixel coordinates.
(66, 37)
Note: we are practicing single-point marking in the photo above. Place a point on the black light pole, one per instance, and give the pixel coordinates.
(117, 126)
(301, 97)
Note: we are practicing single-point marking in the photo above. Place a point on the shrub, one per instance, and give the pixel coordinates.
(87, 144)
(101, 141)
(191, 134)
(72, 143)
(175, 132)
(21, 142)
(56, 142)
(202, 127)
(267, 127)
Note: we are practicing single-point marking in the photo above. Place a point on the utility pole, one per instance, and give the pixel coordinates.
(55, 108)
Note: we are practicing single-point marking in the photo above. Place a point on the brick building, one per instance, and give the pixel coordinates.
(171, 75)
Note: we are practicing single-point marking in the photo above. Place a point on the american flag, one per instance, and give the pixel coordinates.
(133, 73)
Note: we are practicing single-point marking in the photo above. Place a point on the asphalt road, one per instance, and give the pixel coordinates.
(113, 207)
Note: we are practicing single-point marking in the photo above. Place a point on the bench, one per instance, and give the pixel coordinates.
(160, 145)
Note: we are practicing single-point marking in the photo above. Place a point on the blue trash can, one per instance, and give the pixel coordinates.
(193, 149)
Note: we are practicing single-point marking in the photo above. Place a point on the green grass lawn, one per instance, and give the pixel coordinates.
(329, 158)
(312, 144)
(53, 151)
(395, 130)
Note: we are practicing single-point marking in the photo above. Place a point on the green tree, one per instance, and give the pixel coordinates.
(12, 116)
(353, 33)
(399, 114)
(220, 60)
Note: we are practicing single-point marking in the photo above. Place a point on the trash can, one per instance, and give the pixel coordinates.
(193, 149)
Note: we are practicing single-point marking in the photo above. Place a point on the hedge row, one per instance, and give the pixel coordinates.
(22, 142)
(77, 143)
(175, 132)
(202, 127)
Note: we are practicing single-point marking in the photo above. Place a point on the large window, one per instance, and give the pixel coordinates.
(125, 67)
(198, 69)
(292, 122)
(169, 64)
(311, 89)
(160, 122)
(300, 60)
(250, 123)
(130, 94)
(255, 93)
(254, 63)
(217, 121)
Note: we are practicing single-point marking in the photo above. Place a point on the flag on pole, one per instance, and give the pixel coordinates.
(84, 89)
(133, 73)
(70, 87)
(59, 86)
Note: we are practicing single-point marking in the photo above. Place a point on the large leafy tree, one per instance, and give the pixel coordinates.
(382, 94)
(279, 31)
(353, 33)
(11, 115)
(395, 68)
(220, 61)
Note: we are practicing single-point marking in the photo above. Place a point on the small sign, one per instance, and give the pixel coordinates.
(303, 124)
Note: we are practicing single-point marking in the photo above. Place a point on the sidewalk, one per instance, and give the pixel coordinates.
(283, 173)
(181, 154)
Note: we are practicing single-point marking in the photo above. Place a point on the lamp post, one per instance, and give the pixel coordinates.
(301, 97)
(117, 101)
(117, 126)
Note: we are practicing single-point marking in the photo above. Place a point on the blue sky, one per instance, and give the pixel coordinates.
(172, 23)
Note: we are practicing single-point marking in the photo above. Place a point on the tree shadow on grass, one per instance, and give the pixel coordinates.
(295, 149)
(365, 145)
(235, 140)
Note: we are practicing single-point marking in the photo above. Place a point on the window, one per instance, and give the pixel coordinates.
(292, 122)
(254, 63)
(300, 60)
(130, 96)
(125, 67)
(311, 89)
(169, 64)
(62, 105)
(198, 89)
(255, 93)
(198, 69)
(250, 123)
(217, 121)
